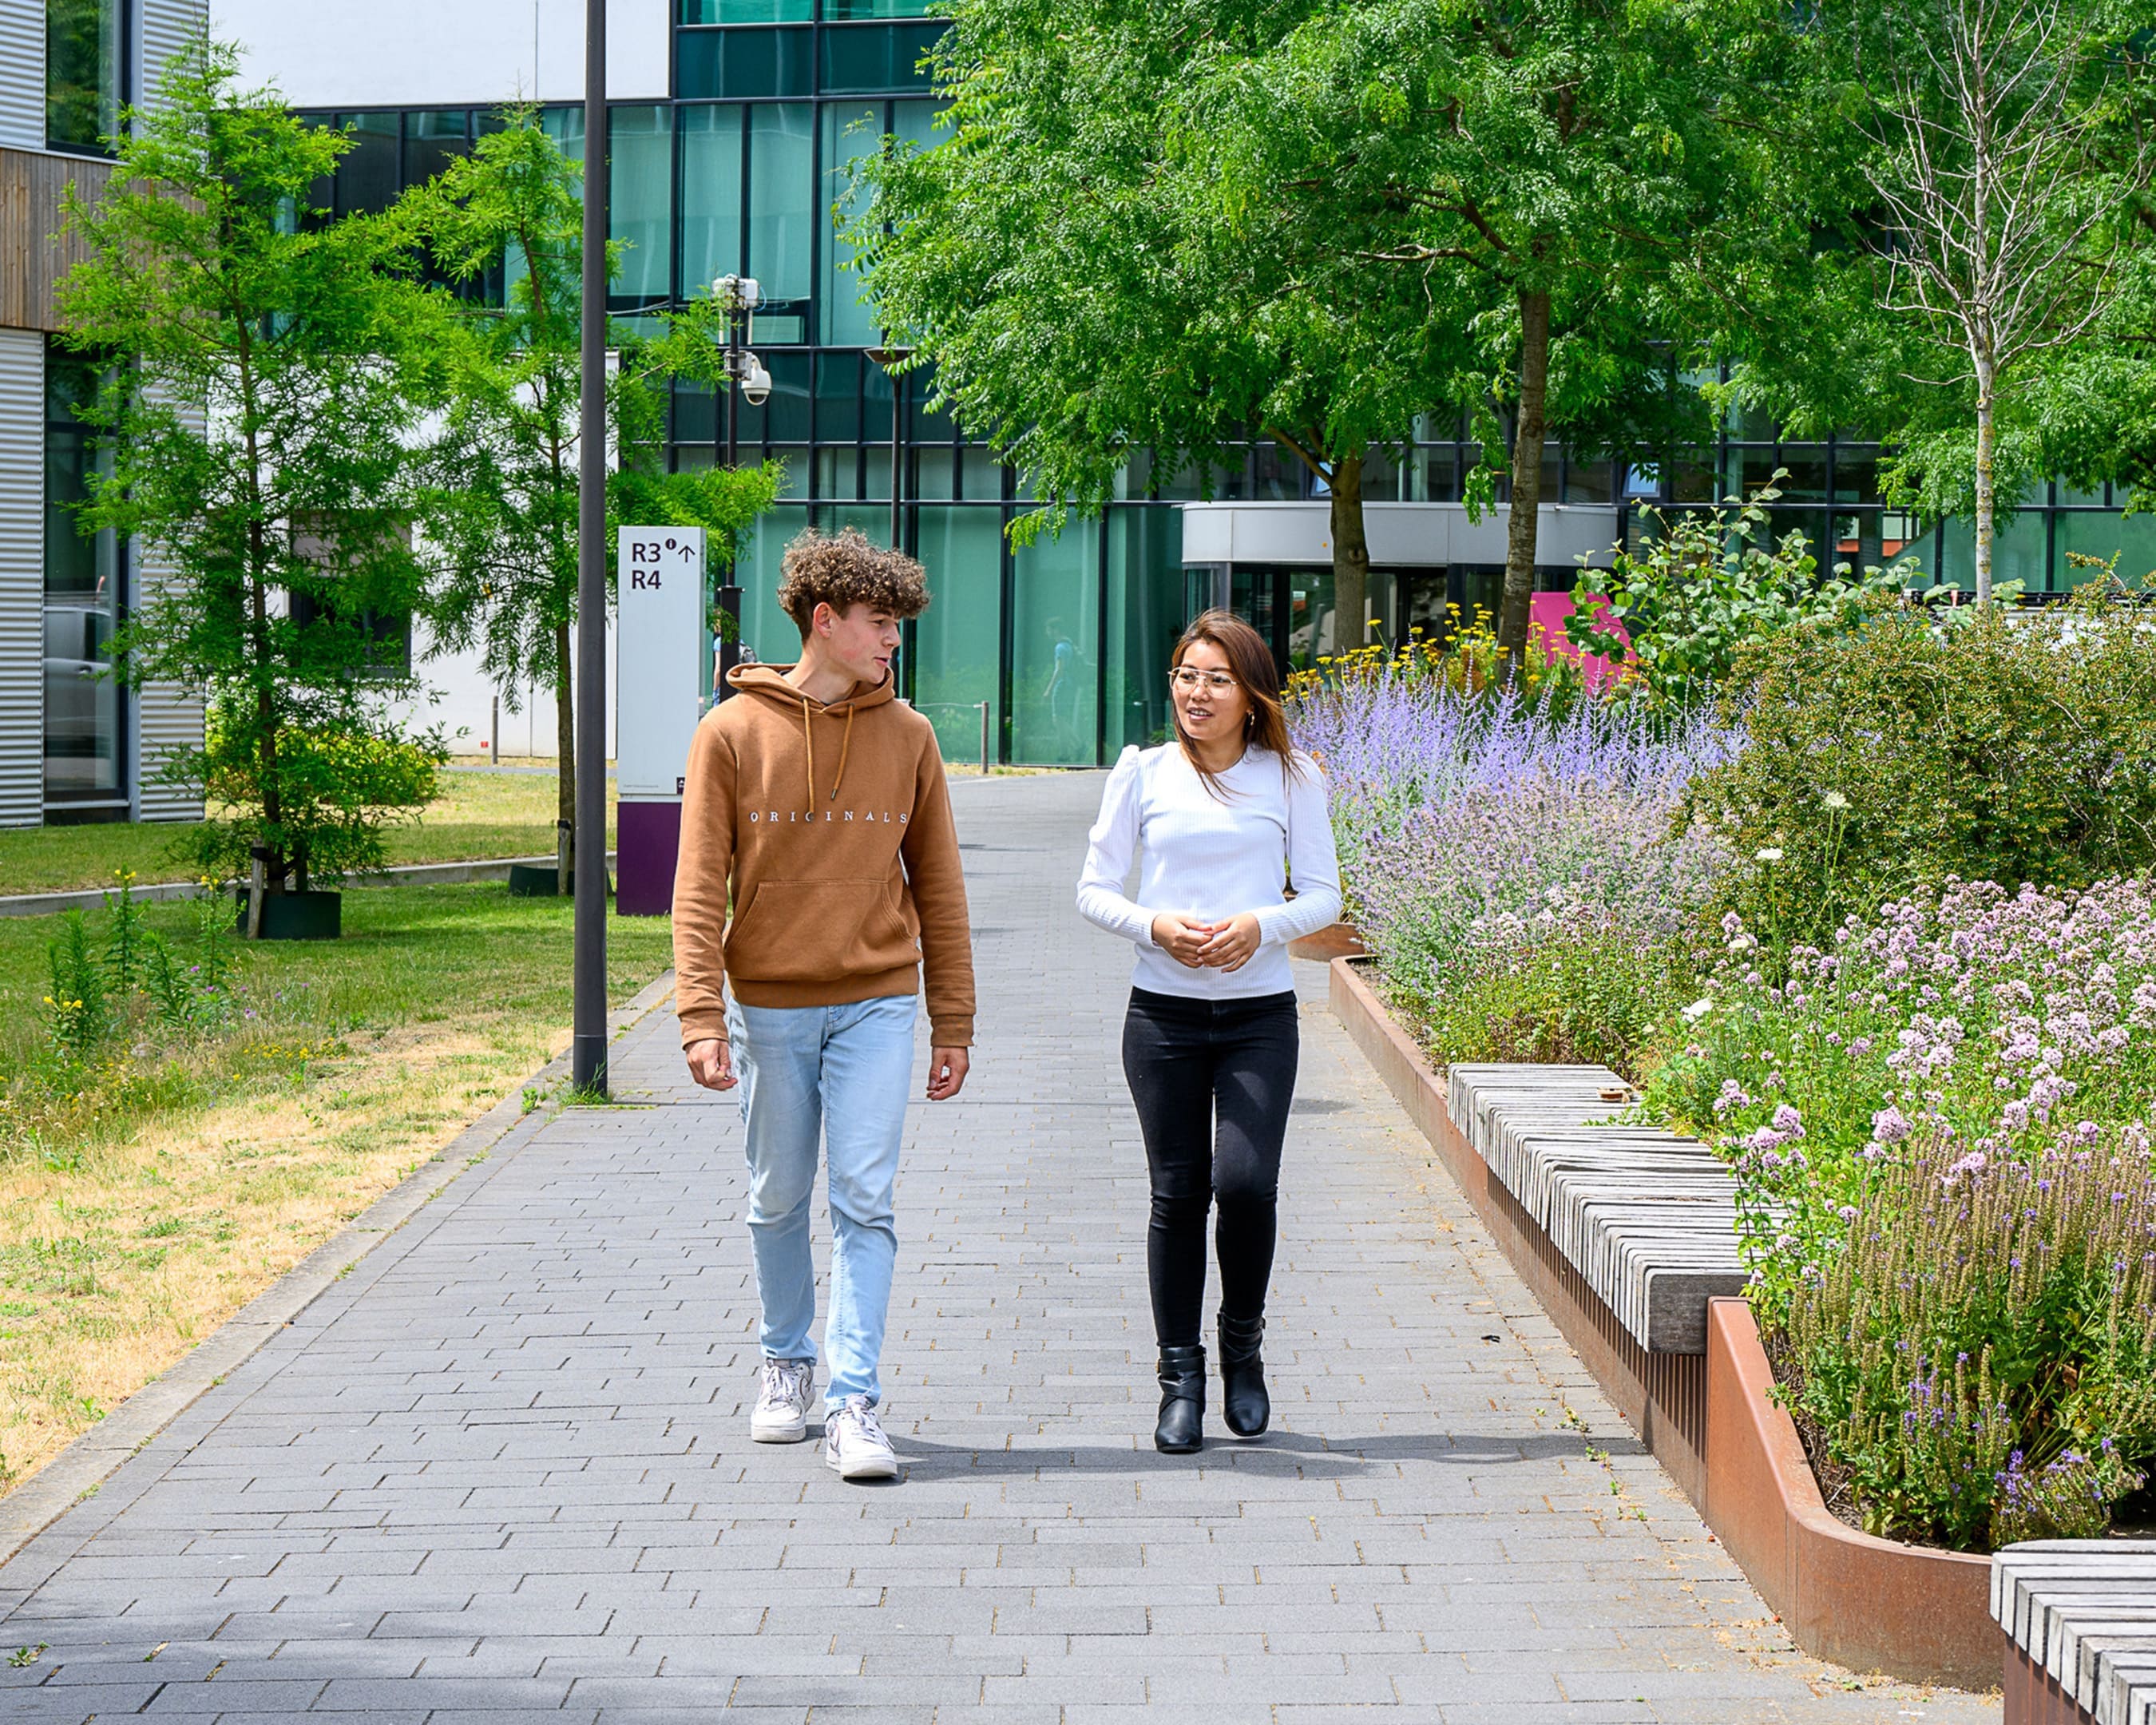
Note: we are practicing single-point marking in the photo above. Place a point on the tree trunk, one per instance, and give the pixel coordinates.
(1987, 450)
(1350, 558)
(565, 727)
(1524, 517)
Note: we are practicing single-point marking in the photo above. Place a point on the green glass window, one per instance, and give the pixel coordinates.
(768, 631)
(748, 11)
(367, 178)
(742, 63)
(711, 195)
(433, 140)
(1056, 648)
(2131, 538)
(1146, 614)
(839, 397)
(846, 11)
(874, 57)
(783, 208)
(83, 60)
(641, 201)
(84, 578)
(957, 660)
(851, 130)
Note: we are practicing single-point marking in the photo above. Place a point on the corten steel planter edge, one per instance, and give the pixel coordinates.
(1913, 1612)
(1336, 940)
(1870, 1604)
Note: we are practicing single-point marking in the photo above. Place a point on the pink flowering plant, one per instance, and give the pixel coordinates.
(1969, 1077)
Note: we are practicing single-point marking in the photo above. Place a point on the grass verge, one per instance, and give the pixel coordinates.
(195, 1172)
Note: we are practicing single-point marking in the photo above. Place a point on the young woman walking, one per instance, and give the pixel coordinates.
(1228, 816)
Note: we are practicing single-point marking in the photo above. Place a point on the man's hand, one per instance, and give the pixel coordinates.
(1181, 939)
(1233, 943)
(946, 1073)
(712, 1063)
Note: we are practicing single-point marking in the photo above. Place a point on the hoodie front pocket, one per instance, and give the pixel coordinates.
(819, 932)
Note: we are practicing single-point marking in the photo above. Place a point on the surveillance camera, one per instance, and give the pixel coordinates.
(756, 384)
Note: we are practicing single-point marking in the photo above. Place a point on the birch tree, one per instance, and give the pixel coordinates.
(2003, 210)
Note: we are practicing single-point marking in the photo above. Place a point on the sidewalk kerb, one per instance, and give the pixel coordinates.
(97, 1454)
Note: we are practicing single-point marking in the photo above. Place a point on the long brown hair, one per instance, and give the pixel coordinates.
(1251, 662)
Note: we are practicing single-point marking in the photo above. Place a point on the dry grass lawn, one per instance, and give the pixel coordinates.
(209, 1171)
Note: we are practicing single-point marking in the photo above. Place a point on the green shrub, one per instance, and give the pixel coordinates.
(2007, 746)
(334, 789)
(79, 1018)
(1591, 993)
(1705, 587)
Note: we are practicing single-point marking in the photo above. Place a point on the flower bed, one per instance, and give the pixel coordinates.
(1940, 1117)
(1514, 866)
(1941, 1129)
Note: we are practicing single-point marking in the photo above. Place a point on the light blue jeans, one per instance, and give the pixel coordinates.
(842, 1072)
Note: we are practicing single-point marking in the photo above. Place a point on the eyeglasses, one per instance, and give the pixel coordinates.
(1187, 680)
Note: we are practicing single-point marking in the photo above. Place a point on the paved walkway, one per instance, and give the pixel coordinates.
(500, 1471)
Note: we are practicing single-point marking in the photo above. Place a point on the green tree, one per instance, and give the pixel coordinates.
(2006, 186)
(1089, 297)
(258, 414)
(1573, 183)
(499, 506)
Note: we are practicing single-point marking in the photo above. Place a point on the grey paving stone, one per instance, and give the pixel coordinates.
(502, 1471)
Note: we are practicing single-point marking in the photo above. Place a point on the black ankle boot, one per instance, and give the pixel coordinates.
(1182, 1427)
(1243, 1403)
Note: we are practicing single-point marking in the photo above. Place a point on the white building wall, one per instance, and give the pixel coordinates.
(457, 696)
(21, 578)
(164, 715)
(420, 53)
(23, 74)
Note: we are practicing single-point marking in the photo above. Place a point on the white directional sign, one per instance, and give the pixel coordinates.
(659, 642)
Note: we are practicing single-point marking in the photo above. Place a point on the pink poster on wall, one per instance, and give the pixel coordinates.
(1547, 613)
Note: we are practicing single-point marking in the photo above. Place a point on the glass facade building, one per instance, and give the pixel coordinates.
(1063, 641)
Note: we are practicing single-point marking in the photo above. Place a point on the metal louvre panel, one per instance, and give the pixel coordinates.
(23, 74)
(165, 717)
(21, 578)
(167, 26)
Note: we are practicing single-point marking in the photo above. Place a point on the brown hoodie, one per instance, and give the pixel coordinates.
(829, 829)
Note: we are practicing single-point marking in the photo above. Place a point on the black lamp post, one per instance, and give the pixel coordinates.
(737, 297)
(587, 1042)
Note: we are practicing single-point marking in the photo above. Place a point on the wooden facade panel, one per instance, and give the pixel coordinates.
(34, 256)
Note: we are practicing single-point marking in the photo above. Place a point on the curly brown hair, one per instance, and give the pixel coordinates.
(844, 570)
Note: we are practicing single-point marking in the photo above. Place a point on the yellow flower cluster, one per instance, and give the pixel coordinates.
(1463, 656)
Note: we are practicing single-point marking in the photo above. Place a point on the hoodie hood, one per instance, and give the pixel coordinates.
(768, 682)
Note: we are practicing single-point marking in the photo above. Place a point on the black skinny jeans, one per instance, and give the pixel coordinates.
(1212, 1080)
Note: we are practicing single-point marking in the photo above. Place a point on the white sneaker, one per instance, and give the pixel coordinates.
(853, 1443)
(781, 1408)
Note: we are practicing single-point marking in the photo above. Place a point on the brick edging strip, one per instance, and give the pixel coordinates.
(97, 1454)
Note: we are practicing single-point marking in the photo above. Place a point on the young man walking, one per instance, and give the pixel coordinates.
(815, 806)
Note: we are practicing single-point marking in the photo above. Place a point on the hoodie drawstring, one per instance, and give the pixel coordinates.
(809, 743)
(846, 744)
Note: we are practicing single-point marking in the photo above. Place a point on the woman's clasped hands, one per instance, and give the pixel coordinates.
(1198, 945)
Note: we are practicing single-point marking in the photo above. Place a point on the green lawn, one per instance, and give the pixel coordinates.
(138, 1215)
(482, 812)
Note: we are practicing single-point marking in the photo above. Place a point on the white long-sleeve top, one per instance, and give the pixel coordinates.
(1210, 857)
